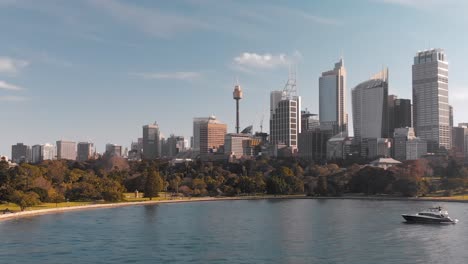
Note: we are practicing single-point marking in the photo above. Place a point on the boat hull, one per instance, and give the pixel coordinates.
(427, 220)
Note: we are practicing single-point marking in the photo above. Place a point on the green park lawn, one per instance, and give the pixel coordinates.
(15, 208)
(128, 197)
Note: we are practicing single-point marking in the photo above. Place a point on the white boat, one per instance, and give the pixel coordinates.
(430, 216)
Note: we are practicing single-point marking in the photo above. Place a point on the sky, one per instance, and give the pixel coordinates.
(98, 70)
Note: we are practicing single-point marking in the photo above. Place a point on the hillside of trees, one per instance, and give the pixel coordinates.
(108, 178)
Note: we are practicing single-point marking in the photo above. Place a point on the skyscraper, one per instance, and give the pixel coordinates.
(197, 121)
(309, 121)
(399, 113)
(459, 141)
(332, 99)
(66, 150)
(136, 150)
(402, 113)
(208, 134)
(151, 142)
(431, 114)
(85, 151)
(40, 153)
(113, 150)
(391, 110)
(370, 111)
(285, 119)
(20, 153)
(36, 153)
(173, 146)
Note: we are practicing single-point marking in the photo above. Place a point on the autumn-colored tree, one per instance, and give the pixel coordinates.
(25, 200)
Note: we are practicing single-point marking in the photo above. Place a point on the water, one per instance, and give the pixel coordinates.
(261, 231)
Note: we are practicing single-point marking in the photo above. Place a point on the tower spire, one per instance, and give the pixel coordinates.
(237, 95)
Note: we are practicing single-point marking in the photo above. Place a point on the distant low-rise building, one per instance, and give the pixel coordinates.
(339, 147)
(376, 147)
(234, 144)
(384, 163)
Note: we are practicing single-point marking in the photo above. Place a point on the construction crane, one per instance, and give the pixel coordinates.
(290, 90)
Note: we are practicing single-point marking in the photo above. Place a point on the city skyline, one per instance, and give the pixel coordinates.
(80, 86)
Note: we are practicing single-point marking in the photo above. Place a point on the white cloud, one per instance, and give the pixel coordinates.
(12, 98)
(8, 86)
(12, 66)
(250, 61)
(169, 75)
(149, 20)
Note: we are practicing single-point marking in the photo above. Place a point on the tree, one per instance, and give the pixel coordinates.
(322, 186)
(276, 185)
(154, 184)
(199, 186)
(56, 197)
(246, 184)
(25, 200)
(260, 184)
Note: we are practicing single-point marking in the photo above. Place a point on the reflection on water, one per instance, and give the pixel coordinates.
(258, 231)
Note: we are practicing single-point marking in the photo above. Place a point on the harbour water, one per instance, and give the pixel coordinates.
(257, 231)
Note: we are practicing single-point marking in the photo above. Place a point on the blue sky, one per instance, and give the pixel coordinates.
(100, 69)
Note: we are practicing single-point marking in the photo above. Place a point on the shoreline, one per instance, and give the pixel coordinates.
(38, 212)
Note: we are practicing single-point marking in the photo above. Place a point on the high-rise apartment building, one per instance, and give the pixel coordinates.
(151, 142)
(332, 99)
(66, 150)
(85, 151)
(285, 119)
(431, 113)
(370, 108)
